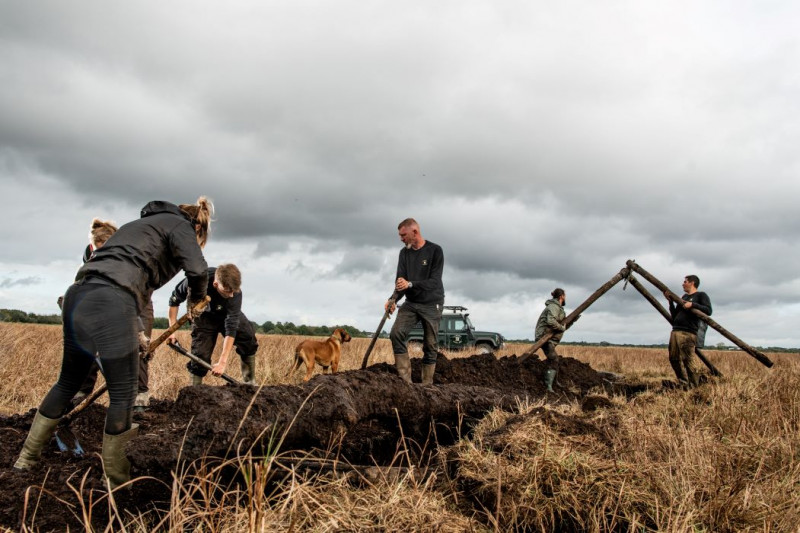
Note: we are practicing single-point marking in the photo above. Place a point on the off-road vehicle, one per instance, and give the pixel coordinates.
(456, 332)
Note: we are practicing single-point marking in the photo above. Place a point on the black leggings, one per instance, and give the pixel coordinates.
(100, 323)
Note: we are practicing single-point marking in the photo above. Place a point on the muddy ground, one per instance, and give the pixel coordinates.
(360, 416)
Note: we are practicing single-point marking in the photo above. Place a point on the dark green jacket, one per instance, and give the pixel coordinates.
(550, 320)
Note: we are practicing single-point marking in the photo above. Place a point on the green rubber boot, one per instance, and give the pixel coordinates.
(197, 380)
(403, 365)
(115, 463)
(249, 369)
(41, 430)
(549, 378)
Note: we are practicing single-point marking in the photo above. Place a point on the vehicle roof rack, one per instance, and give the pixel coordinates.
(455, 307)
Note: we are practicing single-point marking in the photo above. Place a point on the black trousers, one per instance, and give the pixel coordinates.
(100, 324)
(409, 314)
(144, 367)
(204, 338)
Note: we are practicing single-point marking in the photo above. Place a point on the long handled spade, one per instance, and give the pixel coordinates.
(181, 350)
(392, 299)
(64, 434)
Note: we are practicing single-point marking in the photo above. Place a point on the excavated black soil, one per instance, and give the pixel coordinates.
(360, 416)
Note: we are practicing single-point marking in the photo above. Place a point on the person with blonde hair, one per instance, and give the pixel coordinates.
(99, 232)
(101, 320)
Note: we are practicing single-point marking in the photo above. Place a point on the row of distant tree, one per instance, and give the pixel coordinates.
(268, 327)
(289, 328)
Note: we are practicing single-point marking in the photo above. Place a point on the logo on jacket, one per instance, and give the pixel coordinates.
(424, 262)
(218, 308)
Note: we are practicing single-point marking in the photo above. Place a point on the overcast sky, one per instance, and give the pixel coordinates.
(541, 144)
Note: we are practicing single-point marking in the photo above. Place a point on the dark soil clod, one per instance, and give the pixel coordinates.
(361, 416)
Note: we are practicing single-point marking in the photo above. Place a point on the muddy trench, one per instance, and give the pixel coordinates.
(361, 417)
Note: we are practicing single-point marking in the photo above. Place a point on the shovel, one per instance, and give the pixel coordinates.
(181, 350)
(392, 299)
(64, 435)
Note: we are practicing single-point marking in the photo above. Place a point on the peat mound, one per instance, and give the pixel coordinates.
(362, 416)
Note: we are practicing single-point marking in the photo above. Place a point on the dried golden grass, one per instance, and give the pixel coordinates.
(724, 457)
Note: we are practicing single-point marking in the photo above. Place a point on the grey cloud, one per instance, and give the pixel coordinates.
(538, 144)
(7, 283)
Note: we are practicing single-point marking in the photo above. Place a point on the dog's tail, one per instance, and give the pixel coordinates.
(296, 363)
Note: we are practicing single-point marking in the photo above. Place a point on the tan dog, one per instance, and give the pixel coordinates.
(327, 353)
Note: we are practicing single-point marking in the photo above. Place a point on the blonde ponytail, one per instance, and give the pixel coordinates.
(100, 231)
(201, 214)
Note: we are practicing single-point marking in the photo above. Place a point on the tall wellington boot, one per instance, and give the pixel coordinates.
(427, 374)
(549, 378)
(115, 463)
(42, 429)
(249, 369)
(403, 365)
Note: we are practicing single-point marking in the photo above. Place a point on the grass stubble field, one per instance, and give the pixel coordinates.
(722, 457)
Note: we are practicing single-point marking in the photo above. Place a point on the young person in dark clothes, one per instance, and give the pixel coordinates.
(223, 316)
(419, 279)
(101, 320)
(683, 339)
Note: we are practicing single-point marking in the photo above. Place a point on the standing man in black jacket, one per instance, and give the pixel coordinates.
(223, 316)
(419, 279)
(683, 339)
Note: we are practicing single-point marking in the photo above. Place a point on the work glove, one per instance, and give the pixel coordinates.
(144, 343)
(195, 313)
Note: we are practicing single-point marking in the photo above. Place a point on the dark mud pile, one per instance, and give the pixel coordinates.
(361, 416)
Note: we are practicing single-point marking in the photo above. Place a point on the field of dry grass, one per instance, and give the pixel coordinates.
(723, 457)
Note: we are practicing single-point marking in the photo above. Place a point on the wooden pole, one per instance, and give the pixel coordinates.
(660, 308)
(365, 361)
(573, 316)
(763, 359)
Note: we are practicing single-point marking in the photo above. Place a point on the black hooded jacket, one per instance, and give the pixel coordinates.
(145, 254)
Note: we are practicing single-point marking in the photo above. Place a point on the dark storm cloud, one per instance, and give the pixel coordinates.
(539, 144)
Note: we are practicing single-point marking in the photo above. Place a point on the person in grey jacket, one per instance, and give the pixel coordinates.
(551, 321)
(101, 321)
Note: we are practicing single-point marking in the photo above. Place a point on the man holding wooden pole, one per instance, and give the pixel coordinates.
(683, 339)
(552, 321)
